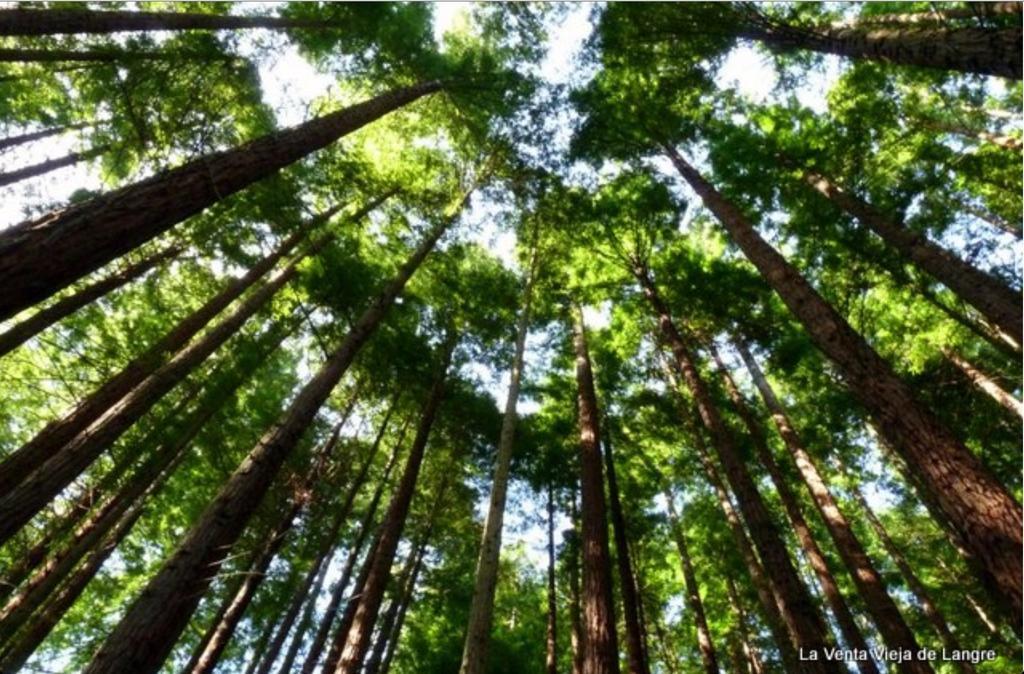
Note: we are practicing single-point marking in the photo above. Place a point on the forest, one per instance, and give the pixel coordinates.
(525, 338)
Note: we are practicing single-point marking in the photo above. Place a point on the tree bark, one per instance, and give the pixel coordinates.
(984, 517)
(600, 648)
(30, 136)
(974, 10)
(478, 630)
(21, 332)
(356, 639)
(636, 647)
(990, 218)
(803, 622)
(985, 383)
(22, 55)
(895, 631)
(749, 651)
(572, 563)
(991, 297)
(39, 257)
(396, 632)
(147, 632)
(704, 643)
(551, 634)
(44, 167)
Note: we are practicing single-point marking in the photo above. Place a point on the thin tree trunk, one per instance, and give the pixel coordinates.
(972, 50)
(260, 647)
(704, 643)
(991, 218)
(551, 634)
(996, 301)
(21, 332)
(803, 622)
(148, 631)
(600, 648)
(895, 631)
(749, 650)
(636, 647)
(22, 55)
(998, 339)
(356, 639)
(1000, 140)
(928, 606)
(39, 257)
(974, 10)
(985, 383)
(976, 606)
(396, 632)
(22, 138)
(668, 654)
(983, 515)
(572, 563)
(478, 630)
(44, 167)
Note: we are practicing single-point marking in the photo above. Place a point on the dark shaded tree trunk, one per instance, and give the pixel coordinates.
(991, 218)
(551, 634)
(600, 648)
(896, 636)
(356, 639)
(21, 332)
(984, 517)
(44, 167)
(803, 622)
(705, 645)
(21, 55)
(976, 607)
(39, 257)
(22, 138)
(985, 383)
(974, 10)
(996, 301)
(572, 563)
(148, 631)
(750, 652)
(396, 631)
(636, 646)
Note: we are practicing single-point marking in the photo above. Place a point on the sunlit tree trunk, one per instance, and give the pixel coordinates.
(982, 514)
(985, 383)
(30, 136)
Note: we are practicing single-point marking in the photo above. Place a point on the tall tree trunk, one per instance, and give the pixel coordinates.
(551, 634)
(974, 10)
(30, 136)
(668, 655)
(30, 456)
(991, 218)
(481, 611)
(403, 610)
(984, 517)
(1000, 340)
(803, 622)
(749, 650)
(21, 332)
(356, 639)
(1000, 140)
(636, 647)
(147, 632)
(985, 383)
(44, 167)
(600, 648)
(976, 607)
(572, 563)
(867, 579)
(22, 55)
(75, 20)
(972, 50)
(704, 643)
(39, 257)
(895, 631)
(924, 598)
(996, 301)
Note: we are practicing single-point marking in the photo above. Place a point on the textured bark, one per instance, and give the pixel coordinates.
(996, 301)
(551, 634)
(895, 636)
(44, 167)
(478, 630)
(21, 332)
(147, 632)
(69, 21)
(39, 257)
(914, 584)
(600, 648)
(753, 658)
(982, 515)
(803, 622)
(981, 51)
(636, 647)
(30, 136)
(704, 643)
(356, 639)
(985, 383)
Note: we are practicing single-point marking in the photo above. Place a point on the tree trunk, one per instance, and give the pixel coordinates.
(985, 383)
(600, 648)
(478, 630)
(976, 607)
(39, 257)
(749, 651)
(147, 632)
(572, 563)
(30, 136)
(998, 339)
(71, 21)
(803, 622)
(22, 55)
(551, 641)
(897, 635)
(928, 606)
(704, 643)
(636, 647)
(396, 631)
(991, 297)
(668, 655)
(974, 10)
(991, 218)
(356, 639)
(983, 515)
(44, 167)
(971, 50)
(21, 332)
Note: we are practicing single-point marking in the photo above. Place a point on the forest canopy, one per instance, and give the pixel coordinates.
(499, 338)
